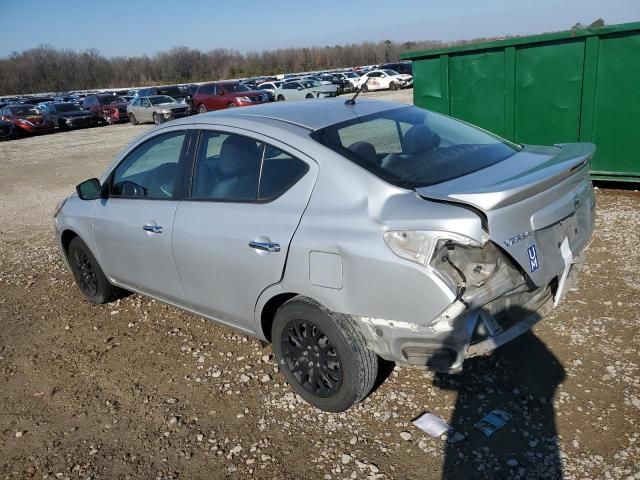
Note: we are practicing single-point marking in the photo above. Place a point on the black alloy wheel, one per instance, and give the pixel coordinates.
(88, 275)
(322, 354)
(87, 280)
(311, 358)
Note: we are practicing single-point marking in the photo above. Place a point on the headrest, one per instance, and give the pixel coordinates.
(238, 153)
(420, 139)
(366, 151)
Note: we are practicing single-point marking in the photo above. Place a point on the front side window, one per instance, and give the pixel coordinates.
(235, 168)
(151, 170)
(410, 147)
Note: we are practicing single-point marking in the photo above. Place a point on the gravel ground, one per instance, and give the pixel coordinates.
(137, 389)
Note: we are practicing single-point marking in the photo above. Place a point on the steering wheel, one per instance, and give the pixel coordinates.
(131, 189)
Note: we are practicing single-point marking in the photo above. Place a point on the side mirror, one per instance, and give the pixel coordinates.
(220, 92)
(299, 88)
(89, 189)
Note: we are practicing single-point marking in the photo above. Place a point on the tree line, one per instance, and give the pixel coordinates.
(49, 69)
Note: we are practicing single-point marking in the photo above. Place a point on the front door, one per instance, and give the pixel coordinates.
(132, 227)
(231, 236)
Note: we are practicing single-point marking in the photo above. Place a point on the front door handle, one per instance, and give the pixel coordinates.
(152, 228)
(266, 246)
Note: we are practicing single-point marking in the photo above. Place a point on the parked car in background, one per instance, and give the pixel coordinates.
(7, 130)
(343, 85)
(351, 77)
(109, 108)
(65, 115)
(384, 80)
(400, 67)
(304, 89)
(270, 88)
(157, 109)
(173, 91)
(338, 234)
(219, 95)
(26, 119)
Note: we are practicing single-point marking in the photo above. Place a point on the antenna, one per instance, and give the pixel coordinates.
(352, 101)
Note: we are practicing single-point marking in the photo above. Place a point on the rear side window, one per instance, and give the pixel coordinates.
(280, 171)
(236, 168)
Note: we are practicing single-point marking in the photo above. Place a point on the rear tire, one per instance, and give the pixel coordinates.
(322, 354)
(89, 276)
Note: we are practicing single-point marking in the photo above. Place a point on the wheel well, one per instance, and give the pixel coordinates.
(269, 312)
(66, 238)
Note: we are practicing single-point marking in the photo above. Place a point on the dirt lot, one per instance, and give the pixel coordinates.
(136, 389)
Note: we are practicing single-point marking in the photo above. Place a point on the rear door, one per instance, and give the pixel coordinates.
(132, 227)
(231, 235)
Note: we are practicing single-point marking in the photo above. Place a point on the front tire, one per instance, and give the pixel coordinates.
(322, 355)
(157, 119)
(133, 119)
(280, 98)
(89, 277)
(364, 89)
(202, 109)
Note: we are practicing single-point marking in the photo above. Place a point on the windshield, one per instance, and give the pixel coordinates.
(66, 107)
(170, 91)
(391, 73)
(106, 99)
(161, 100)
(410, 147)
(351, 75)
(234, 87)
(310, 83)
(25, 110)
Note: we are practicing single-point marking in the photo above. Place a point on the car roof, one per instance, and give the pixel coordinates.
(310, 114)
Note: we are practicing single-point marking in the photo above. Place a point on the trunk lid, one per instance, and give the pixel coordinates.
(532, 202)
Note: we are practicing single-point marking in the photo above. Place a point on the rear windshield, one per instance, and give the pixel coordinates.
(410, 147)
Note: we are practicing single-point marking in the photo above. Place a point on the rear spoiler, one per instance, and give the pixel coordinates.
(499, 192)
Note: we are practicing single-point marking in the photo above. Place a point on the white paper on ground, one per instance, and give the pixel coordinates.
(432, 424)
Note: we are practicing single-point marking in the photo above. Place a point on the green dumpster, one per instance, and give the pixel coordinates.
(575, 86)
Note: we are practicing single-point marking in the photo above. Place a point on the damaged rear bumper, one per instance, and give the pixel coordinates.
(460, 332)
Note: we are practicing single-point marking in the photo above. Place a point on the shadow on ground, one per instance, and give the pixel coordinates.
(520, 378)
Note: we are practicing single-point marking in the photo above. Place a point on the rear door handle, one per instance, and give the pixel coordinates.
(266, 246)
(152, 228)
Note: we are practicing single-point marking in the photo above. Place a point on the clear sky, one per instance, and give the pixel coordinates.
(135, 27)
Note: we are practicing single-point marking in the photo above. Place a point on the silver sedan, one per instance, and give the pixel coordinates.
(340, 232)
